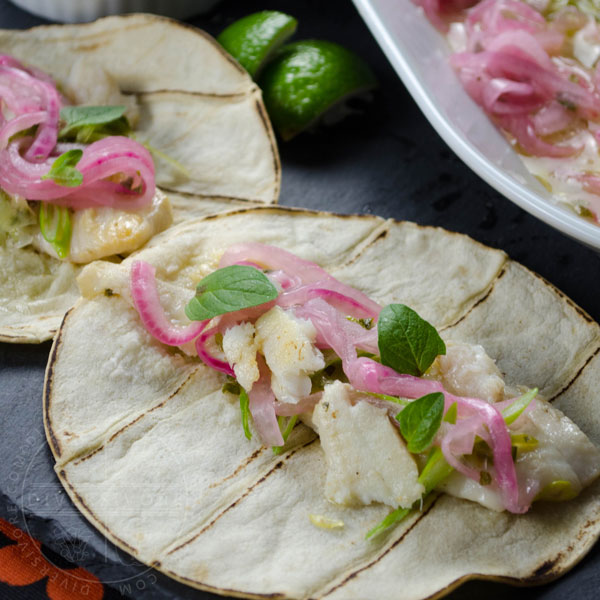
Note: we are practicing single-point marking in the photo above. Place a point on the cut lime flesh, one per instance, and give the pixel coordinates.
(252, 39)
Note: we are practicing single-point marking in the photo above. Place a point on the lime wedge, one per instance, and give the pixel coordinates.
(252, 39)
(307, 79)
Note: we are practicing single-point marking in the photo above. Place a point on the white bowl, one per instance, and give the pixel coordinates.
(419, 54)
(78, 11)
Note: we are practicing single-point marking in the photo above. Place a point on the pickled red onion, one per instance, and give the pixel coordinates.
(303, 294)
(19, 123)
(147, 303)
(101, 160)
(307, 272)
(262, 407)
(31, 94)
(303, 405)
(29, 97)
(207, 358)
(512, 70)
(283, 279)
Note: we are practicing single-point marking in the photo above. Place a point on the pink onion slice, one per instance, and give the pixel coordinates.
(147, 303)
(590, 182)
(512, 70)
(28, 93)
(262, 407)
(283, 279)
(19, 123)
(551, 119)
(47, 134)
(207, 358)
(116, 171)
(304, 405)
(523, 129)
(307, 272)
(10, 61)
(101, 160)
(346, 303)
(454, 447)
(332, 328)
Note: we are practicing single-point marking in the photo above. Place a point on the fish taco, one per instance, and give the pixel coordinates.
(109, 132)
(306, 405)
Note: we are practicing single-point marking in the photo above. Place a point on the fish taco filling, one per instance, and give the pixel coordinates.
(73, 185)
(400, 412)
(533, 67)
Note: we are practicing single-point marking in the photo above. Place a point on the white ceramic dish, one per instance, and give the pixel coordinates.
(419, 54)
(78, 11)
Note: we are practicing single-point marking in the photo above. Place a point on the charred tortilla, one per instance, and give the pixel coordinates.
(151, 450)
(196, 105)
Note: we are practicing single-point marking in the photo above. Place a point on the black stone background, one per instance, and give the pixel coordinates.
(388, 162)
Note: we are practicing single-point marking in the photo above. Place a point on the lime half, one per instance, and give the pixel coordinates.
(307, 79)
(252, 39)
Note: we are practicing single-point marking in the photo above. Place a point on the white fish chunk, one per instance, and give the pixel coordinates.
(287, 344)
(367, 459)
(466, 370)
(563, 454)
(240, 348)
(105, 231)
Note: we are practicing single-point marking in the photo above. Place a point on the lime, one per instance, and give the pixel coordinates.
(307, 79)
(252, 39)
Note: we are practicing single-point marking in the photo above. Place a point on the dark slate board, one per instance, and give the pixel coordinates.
(388, 162)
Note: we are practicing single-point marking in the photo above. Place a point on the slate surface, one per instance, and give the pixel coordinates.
(388, 162)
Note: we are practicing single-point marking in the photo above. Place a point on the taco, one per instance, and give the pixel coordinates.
(188, 104)
(152, 443)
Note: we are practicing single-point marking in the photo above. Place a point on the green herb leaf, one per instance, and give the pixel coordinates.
(89, 118)
(394, 517)
(420, 420)
(245, 409)
(63, 171)
(514, 410)
(407, 343)
(230, 289)
(55, 225)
